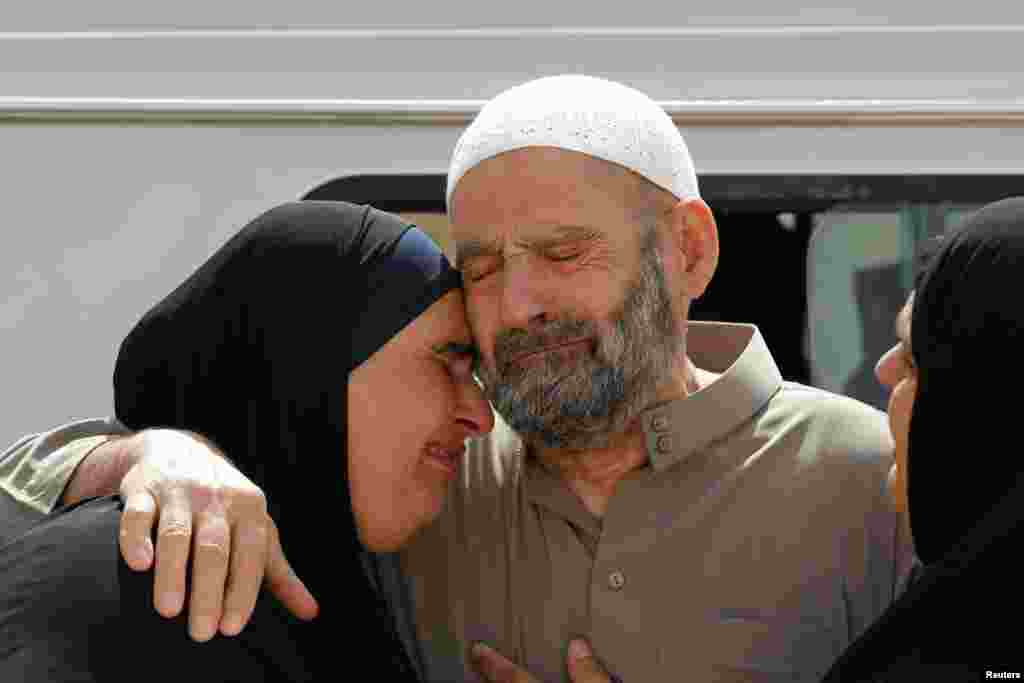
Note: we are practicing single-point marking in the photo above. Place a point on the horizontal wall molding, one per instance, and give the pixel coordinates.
(525, 32)
(460, 112)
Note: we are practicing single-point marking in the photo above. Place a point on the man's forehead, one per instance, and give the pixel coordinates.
(470, 244)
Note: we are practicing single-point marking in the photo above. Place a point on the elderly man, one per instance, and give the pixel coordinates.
(656, 486)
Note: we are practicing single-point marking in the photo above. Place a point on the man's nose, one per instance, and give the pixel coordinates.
(887, 368)
(524, 297)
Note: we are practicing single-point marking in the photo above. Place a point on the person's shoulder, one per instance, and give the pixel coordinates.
(846, 417)
(60, 592)
(77, 546)
(803, 394)
(830, 452)
(89, 521)
(836, 430)
(266, 650)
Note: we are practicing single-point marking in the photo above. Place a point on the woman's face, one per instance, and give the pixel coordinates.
(896, 371)
(411, 406)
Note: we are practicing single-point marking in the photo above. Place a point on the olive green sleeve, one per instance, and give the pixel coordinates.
(35, 469)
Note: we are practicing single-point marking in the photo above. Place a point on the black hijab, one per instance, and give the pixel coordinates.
(254, 350)
(964, 471)
(967, 335)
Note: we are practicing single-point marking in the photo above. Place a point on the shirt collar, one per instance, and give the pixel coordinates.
(749, 378)
(547, 488)
(677, 429)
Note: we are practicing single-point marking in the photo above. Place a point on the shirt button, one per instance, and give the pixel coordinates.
(616, 580)
(664, 443)
(659, 423)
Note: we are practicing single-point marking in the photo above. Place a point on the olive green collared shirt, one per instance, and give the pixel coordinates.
(755, 545)
(35, 470)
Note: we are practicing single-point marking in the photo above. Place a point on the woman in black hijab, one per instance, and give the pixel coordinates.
(326, 349)
(958, 474)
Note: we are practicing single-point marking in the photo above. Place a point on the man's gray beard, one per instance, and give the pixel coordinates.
(578, 403)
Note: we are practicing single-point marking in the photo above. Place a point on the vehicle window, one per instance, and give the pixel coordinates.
(860, 269)
(821, 264)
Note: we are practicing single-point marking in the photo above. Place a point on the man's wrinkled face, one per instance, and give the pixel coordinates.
(566, 295)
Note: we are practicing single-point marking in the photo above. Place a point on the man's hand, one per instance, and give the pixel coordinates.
(203, 505)
(583, 666)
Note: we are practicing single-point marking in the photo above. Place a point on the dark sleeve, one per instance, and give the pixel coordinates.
(265, 651)
(15, 517)
(58, 594)
(71, 610)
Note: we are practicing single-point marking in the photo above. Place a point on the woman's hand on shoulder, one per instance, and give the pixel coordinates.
(203, 508)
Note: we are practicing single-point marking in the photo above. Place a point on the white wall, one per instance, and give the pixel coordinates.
(103, 219)
(47, 15)
(101, 222)
(668, 63)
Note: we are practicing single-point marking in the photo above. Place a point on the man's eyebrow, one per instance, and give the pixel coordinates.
(564, 233)
(471, 249)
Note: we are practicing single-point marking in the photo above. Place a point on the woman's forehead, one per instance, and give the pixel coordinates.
(443, 322)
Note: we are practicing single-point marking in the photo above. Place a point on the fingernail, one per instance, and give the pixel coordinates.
(143, 555)
(169, 604)
(480, 650)
(203, 630)
(231, 626)
(578, 649)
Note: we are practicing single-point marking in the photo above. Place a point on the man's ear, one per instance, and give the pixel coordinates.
(695, 236)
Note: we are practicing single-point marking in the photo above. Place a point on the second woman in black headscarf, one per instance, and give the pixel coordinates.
(954, 418)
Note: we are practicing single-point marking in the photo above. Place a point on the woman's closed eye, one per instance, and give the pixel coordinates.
(461, 360)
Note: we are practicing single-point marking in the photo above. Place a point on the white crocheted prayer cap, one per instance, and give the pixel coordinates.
(598, 117)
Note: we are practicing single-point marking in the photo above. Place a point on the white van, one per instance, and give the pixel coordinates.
(135, 139)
